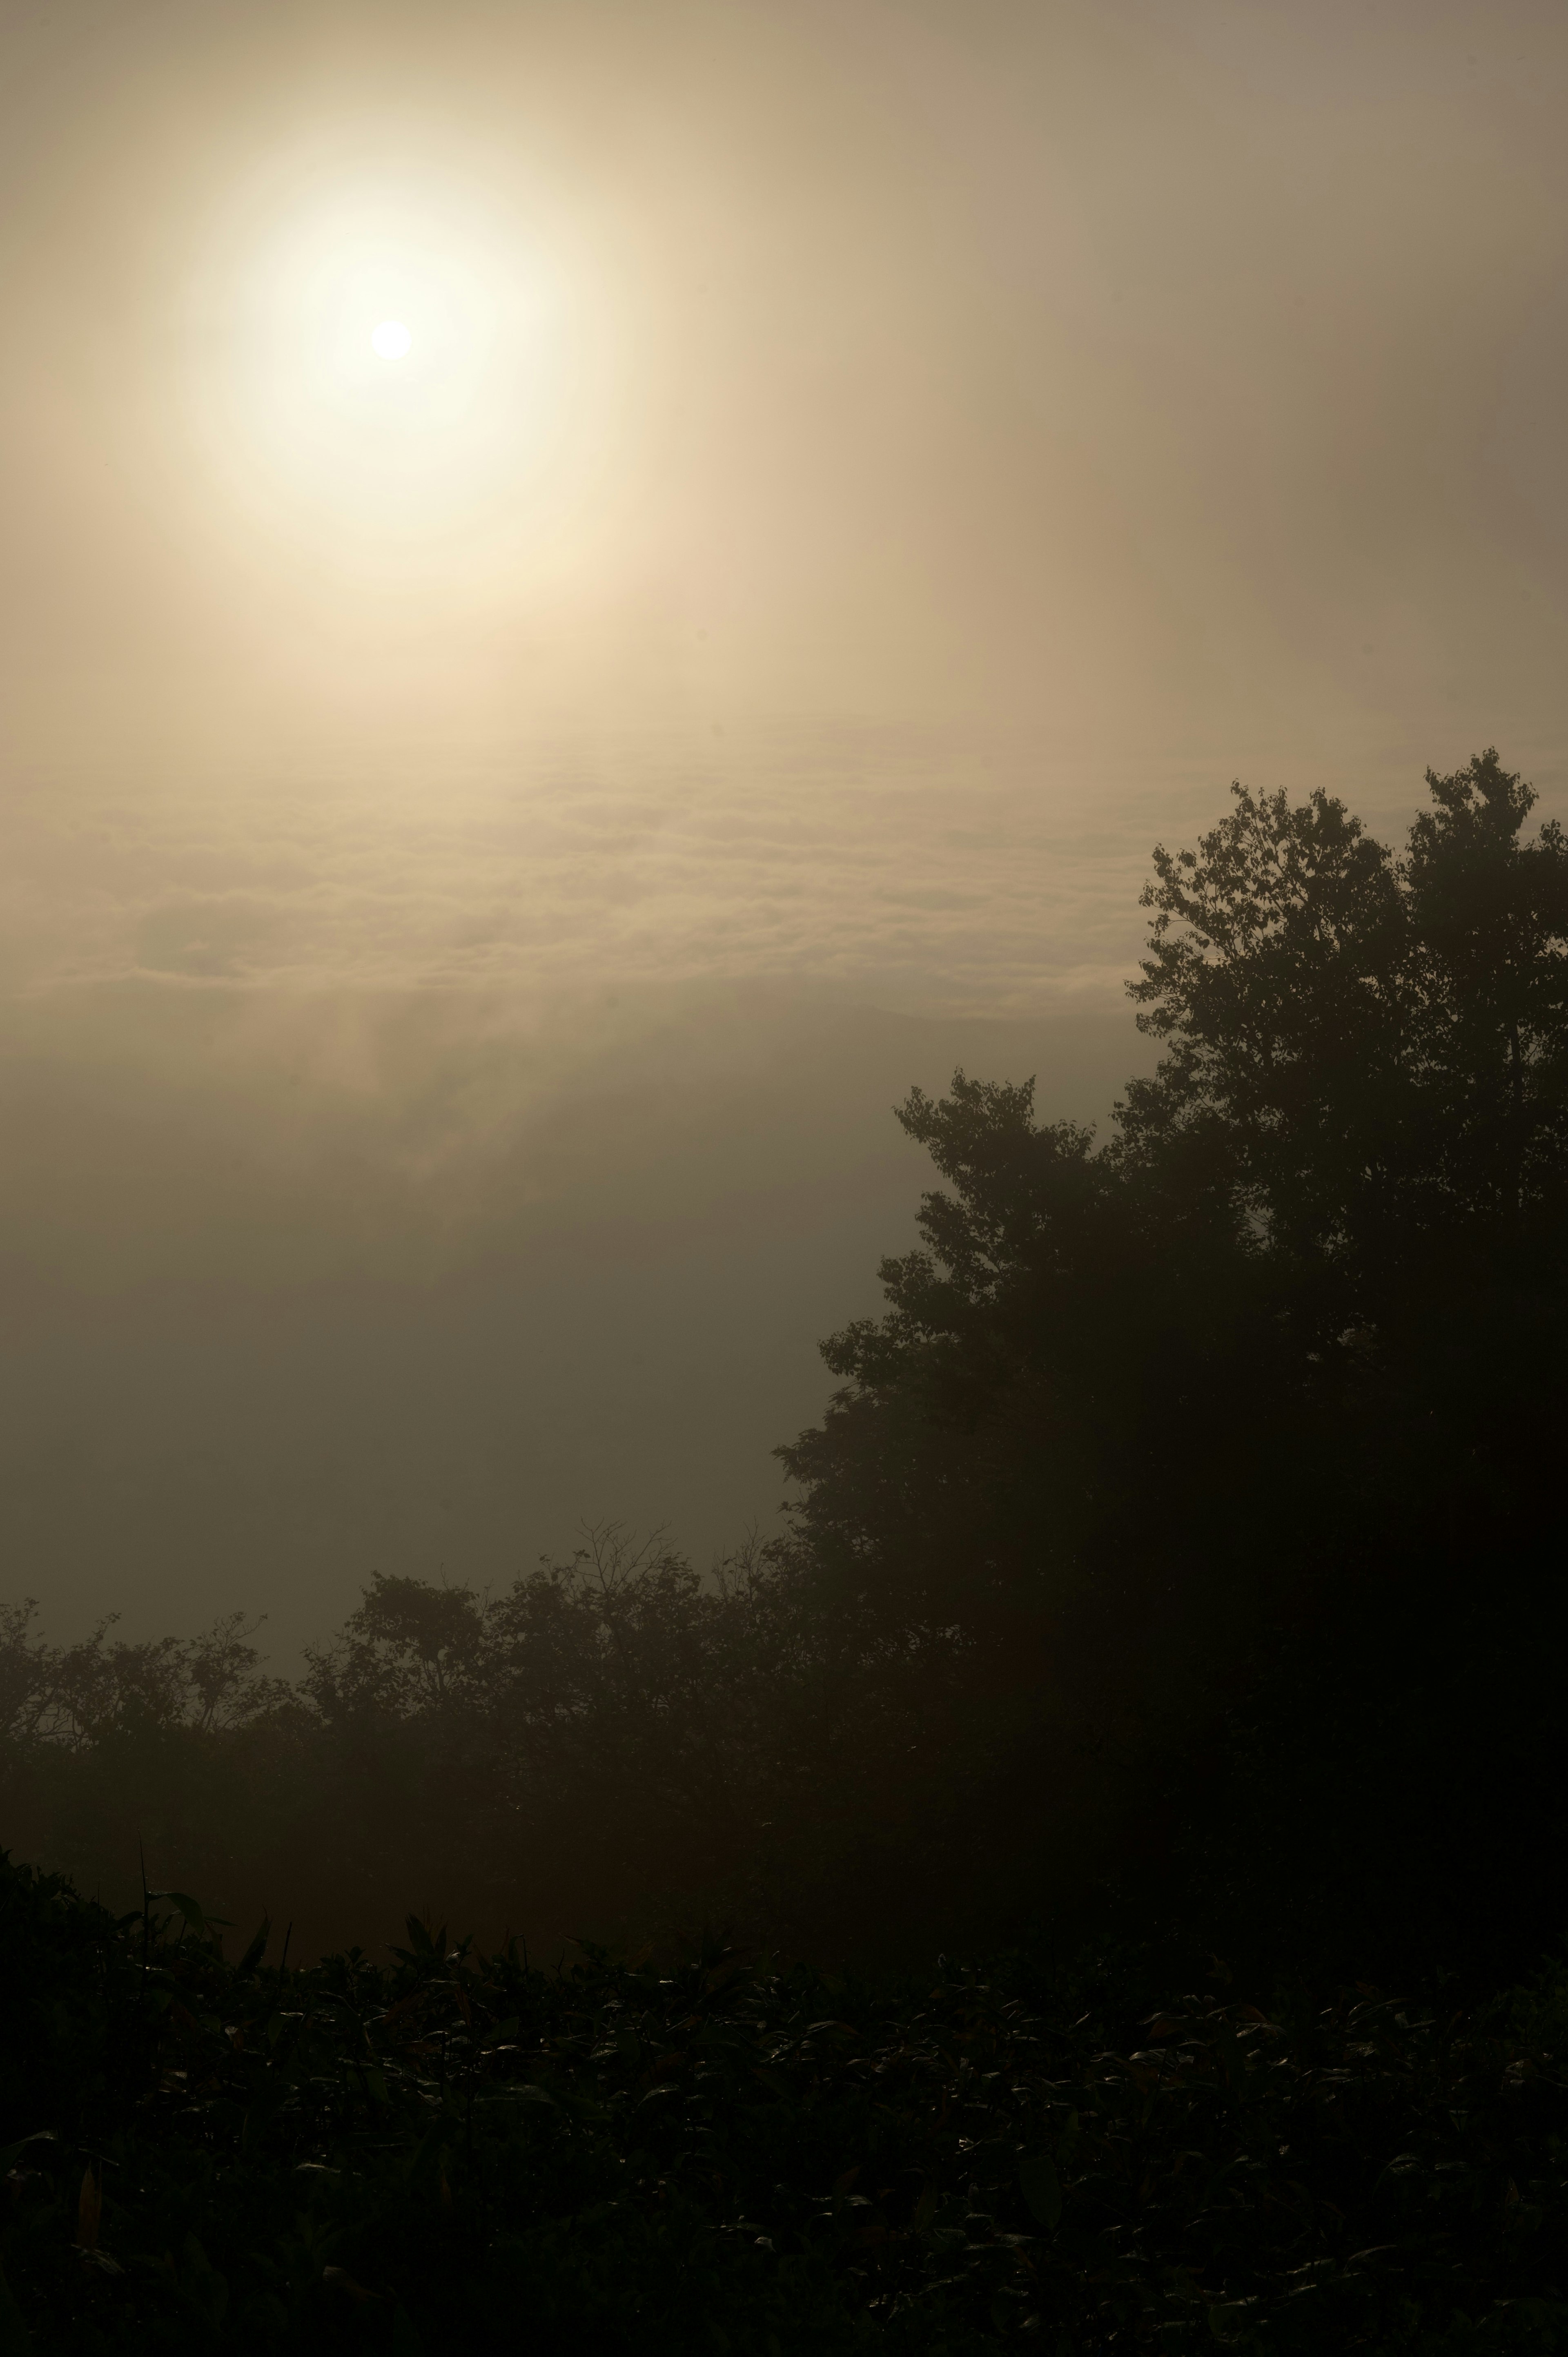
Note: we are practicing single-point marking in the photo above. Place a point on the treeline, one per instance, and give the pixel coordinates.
(612, 1743)
(1184, 1544)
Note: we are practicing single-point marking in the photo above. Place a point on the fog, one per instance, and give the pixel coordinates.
(411, 1287)
(484, 856)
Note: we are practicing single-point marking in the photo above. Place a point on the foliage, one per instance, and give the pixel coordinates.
(76, 1694)
(733, 2156)
(1225, 1446)
(611, 1737)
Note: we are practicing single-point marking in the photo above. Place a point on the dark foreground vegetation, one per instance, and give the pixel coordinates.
(1178, 1572)
(463, 2152)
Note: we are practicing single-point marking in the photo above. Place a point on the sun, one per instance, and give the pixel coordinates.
(381, 359)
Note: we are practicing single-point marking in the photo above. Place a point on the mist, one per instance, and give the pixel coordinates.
(417, 1285)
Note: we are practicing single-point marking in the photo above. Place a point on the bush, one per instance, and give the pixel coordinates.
(466, 2149)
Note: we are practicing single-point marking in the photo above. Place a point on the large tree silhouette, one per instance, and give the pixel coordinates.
(1249, 1415)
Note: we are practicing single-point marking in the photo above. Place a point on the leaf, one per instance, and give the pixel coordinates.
(195, 1916)
(341, 2280)
(1228, 2319)
(404, 2004)
(1042, 2188)
(256, 1951)
(204, 2287)
(925, 2209)
(405, 2341)
(424, 2171)
(12, 2153)
(88, 2210)
(425, 1944)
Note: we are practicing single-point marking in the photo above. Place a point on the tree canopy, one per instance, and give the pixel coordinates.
(1152, 1421)
(1355, 1133)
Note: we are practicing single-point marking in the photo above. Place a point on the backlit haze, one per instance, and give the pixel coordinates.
(492, 827)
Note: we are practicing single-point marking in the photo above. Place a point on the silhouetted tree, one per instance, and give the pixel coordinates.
(1248, 1416)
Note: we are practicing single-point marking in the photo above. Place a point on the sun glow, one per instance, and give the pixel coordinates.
(381, 362)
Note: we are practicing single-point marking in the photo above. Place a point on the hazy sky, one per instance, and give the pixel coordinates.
(488, 834)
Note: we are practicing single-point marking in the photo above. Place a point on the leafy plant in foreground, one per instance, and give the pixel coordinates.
(464, 2149)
